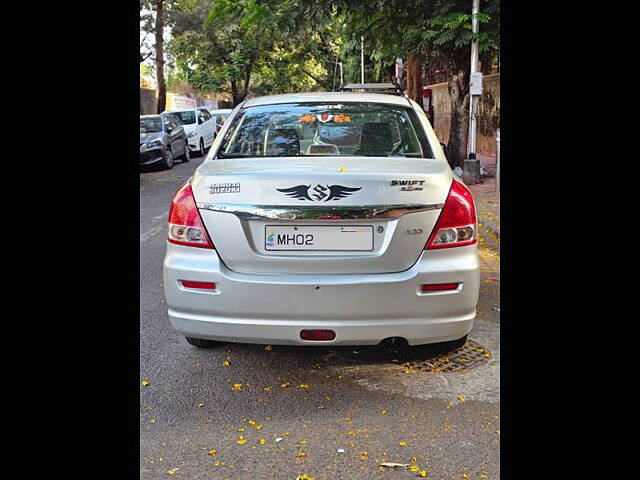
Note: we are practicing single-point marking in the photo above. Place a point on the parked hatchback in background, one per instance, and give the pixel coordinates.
(161, 141)
(324, 219)
(199, 126)
(221, 116)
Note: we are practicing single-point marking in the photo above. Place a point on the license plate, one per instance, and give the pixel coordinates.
(326, 237)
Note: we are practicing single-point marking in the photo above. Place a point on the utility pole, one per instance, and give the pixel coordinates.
(361, 59)
(471, 166)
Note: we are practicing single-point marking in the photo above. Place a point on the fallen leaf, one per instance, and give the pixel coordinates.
(384, 412)
(201, 404)
(302, 442)
(241, 440)
(268, 348)
(403, 444)
(460, 397)
(285, 384)
(301, 454)
(266, 389)
(414, 468)
(145, 383)
(213, 452)
(304, 476)
(225, 363)
(236, 386)
(172, 471)
(497, 431)
(304, 385)
(262, 441)
(217, 463)
(422, 473)
(152, 420)
(241, 430)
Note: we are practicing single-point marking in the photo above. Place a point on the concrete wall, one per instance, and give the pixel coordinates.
(148, 101)
(488, 113)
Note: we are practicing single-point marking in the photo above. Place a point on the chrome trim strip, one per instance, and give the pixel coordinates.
(312, 212)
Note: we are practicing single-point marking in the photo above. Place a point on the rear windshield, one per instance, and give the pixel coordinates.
(353, 129)
(184, 118)
(150, 125)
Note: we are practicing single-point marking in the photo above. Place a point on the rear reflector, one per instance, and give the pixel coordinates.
(317, 334)
(203, 285)
(439, 286)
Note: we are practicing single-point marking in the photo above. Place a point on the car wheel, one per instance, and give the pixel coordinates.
(187, 155)
(201, 148)
(200, 342)
(168, 159)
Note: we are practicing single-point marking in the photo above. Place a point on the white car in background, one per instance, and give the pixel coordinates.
(199, 125)
(221, 116)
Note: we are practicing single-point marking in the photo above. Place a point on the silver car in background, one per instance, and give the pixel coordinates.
(323, 219)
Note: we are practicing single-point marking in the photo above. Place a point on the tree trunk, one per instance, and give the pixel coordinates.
(459, 122)
(162, 87)
(414, 78)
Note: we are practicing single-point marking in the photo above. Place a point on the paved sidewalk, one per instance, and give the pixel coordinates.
(488, 207)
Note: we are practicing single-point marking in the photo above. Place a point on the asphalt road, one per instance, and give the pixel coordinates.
(355, 399)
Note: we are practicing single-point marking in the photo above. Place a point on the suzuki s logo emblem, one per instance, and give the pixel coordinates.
(319, 193)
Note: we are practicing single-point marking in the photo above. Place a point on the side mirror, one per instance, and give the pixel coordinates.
(200, 121)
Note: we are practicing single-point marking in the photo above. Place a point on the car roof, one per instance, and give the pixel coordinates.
(182, 110)
(329, 97)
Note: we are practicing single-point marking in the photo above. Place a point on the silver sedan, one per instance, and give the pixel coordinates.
(323, 219)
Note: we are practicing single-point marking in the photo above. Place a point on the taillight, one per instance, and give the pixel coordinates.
(185, 224)
(457, 224)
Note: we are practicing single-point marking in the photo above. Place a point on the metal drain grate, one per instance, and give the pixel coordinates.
(470, 355)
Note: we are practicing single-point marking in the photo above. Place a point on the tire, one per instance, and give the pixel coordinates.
(201, 151)
(200, 342)
(187, 154)
(168, 159)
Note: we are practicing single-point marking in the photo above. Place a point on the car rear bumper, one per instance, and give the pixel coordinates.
(363, 309)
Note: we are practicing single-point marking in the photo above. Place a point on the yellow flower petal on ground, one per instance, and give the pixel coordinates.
(262, 441)
(172, 471)
(241, 430)
(384, 412)
(225, 363)
(145, 383)
(304, 385)
(201, 404)
(414, 468)
(213, 452)
(153, 420)
(460, 397)
(403, 444)
(241, 441)
(422, 473)
(236, 386)
(302, 442)
(217, 463)
(301, 454)
(285, 384)
(497, 431)
(266, 389)
(304, 476)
